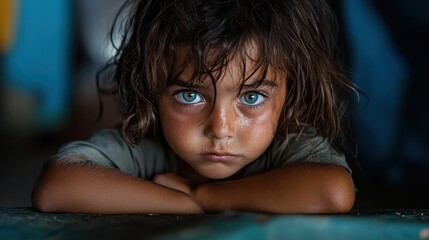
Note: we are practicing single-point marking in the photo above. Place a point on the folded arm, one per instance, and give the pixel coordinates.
(298, 188)
(71, 185)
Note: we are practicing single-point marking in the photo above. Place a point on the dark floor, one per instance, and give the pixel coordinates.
(24, 223)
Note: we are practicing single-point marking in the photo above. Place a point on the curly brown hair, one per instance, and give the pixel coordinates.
(295, 36)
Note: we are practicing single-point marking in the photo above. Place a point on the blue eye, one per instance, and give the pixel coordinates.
(252, 98)
(188, 97)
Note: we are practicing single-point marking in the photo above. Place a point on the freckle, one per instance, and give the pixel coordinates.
(227, 145)
(243, 120)
(223, 117)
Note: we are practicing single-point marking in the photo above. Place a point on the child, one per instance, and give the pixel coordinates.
(228, 105)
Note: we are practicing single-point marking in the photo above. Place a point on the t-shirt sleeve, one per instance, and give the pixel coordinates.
(309, 147)
(108, 149)
(305, 146)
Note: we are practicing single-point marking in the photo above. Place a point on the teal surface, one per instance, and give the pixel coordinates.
(25, 223)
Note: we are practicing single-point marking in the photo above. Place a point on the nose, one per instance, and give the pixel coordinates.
(221, 123)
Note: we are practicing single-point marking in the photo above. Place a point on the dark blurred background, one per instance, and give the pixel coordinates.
(50, 52)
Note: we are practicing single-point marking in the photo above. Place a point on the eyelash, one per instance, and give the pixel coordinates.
(257, 105)
(175, 96)
(175, 93)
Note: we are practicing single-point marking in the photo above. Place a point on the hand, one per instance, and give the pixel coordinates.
(173, 181)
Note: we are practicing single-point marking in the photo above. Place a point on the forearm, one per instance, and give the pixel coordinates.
(80, 187)
(298, 188)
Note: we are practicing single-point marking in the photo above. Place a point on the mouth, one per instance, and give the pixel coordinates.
(219, 157)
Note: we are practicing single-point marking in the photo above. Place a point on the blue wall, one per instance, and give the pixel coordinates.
(39, 62)
(389, 60)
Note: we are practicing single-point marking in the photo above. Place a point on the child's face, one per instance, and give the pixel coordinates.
(217, 136)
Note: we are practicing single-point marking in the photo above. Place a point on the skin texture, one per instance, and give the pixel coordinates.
(218, 135)
(72, 185)
(298, 188)
(215, 137)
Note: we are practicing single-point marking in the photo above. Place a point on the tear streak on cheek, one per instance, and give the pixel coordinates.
(244, 121)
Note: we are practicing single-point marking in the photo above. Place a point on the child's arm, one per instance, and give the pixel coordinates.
(70, 185)
(297, 188)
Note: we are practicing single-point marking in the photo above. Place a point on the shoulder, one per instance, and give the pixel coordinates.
(107, 148)
(300, 145)
(305, 145)
(110, 140)
(102, 142)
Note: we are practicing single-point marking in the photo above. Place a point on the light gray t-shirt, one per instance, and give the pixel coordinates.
(153, 156)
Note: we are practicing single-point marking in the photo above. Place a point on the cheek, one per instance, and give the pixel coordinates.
(266, 121)
(178, 138)
(263, 127)
(178, 129)
(258, 134)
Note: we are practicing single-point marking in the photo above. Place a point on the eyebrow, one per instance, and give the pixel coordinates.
(182, 83)
(256, 84)
(263, 82)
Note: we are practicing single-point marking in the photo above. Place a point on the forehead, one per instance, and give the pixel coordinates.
(246, 63)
